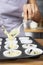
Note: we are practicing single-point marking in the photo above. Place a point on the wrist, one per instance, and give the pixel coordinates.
(32, 1)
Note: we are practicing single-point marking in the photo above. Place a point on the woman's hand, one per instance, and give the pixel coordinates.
(31, 11)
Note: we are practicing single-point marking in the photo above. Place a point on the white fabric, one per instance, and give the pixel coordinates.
(9, 9)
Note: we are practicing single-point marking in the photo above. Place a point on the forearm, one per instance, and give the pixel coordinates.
(32, 1)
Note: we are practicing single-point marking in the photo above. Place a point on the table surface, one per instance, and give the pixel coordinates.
(37, 61)
(33, 30)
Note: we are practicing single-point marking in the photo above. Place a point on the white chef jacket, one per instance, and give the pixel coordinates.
(11, 13)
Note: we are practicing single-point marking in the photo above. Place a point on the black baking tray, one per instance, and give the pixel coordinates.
(23, 55)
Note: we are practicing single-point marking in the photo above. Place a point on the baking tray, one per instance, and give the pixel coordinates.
(23, 55)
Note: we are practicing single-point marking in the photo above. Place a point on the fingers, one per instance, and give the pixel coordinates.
(29, 11)
(26, 8)
(32, 10)
(36, 8)
(25, 12)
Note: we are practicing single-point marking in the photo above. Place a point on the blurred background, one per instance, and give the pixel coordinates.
(40, 5)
